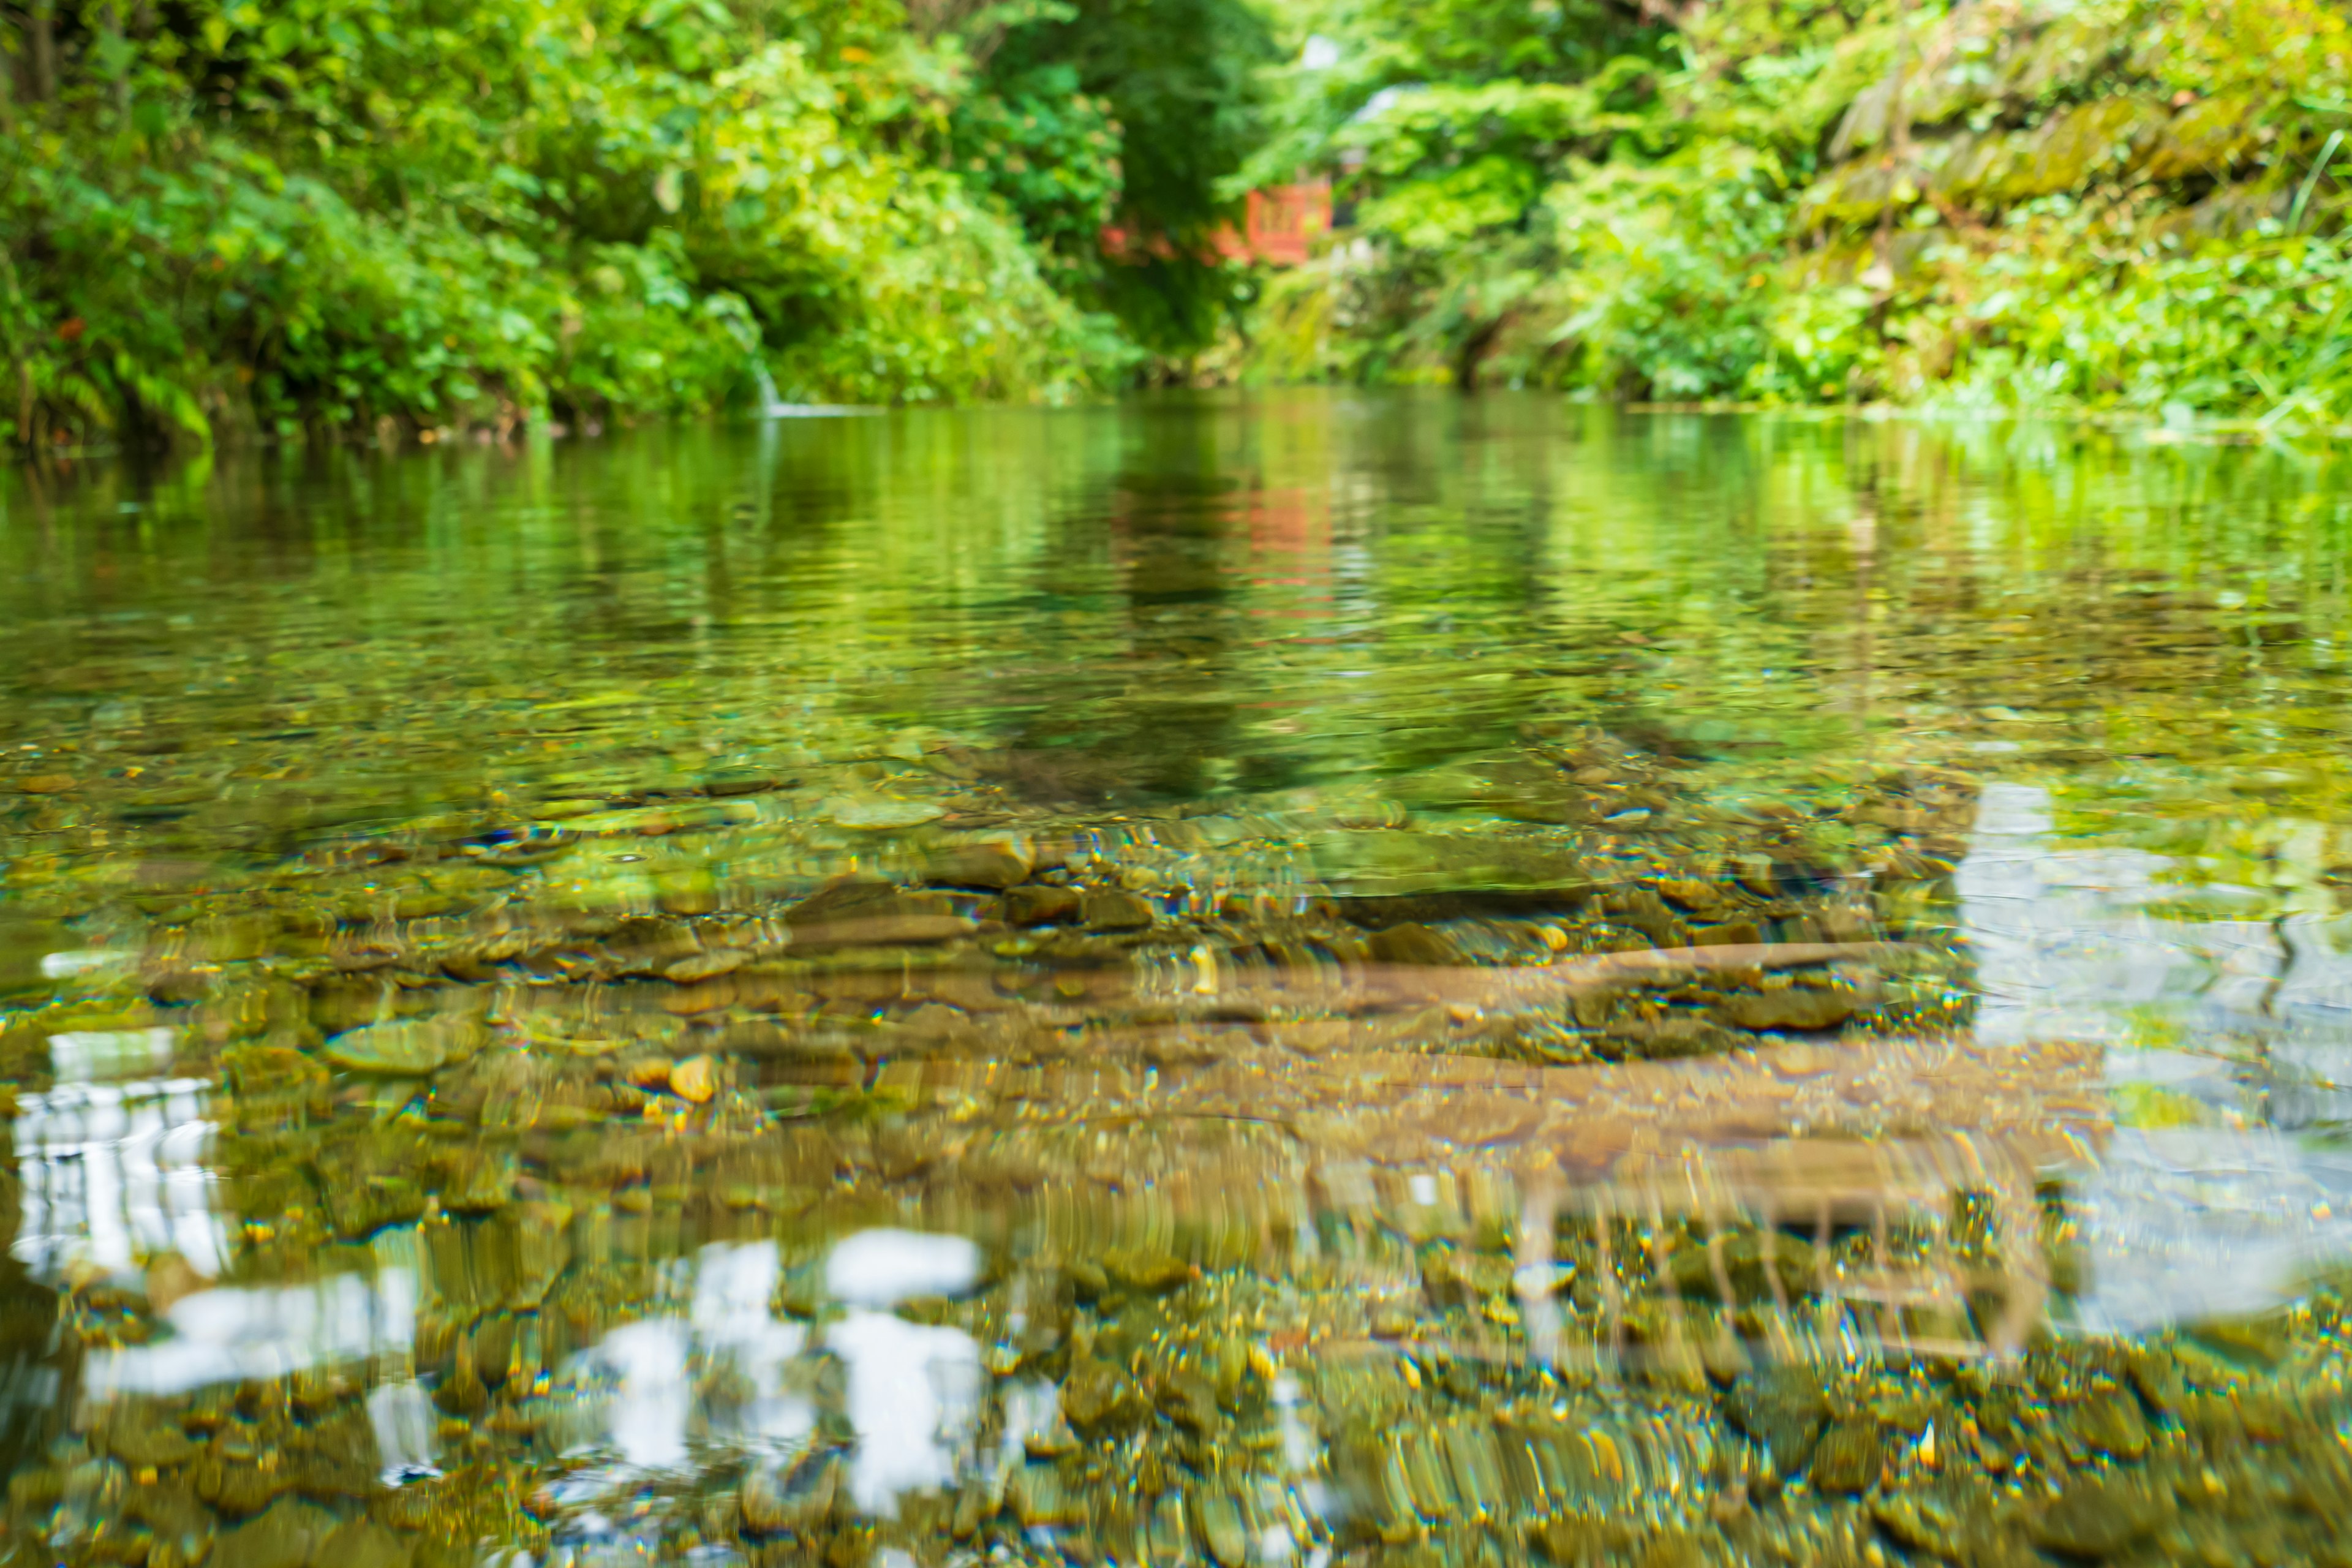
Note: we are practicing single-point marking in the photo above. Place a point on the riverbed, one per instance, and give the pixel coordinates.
(1255, 978)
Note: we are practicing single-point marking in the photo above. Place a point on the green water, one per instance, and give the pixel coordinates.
(1297, 978)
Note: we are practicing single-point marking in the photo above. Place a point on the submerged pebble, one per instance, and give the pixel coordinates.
(695, 1078)
(411, 1047)
(881, 813)
(1163, 1126)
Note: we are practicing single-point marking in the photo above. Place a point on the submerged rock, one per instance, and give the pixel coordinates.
(1041, 904)
(1752, 1261)
(695, 1080)
(2099, 1517)
(2110, 1423)
(1039, 1500)
(158, 1444)
(881, 812)
(363, 1544)
(1798, 1007)
(1920, 1523)
(1145, 1269)
(776, 1501)
(1848, 1455)
(288, 1534)
(1118, 912)
(1098, 1397)
(1782, 1410)
(1415, 943)
(708, 966)
(993, 866)
(410, 1047)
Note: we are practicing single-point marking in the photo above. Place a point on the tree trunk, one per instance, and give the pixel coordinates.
(41, 51)
(110, 26)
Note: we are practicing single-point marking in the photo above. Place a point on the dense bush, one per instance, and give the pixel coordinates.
(1170, 86)
(2072, 202)
(222, 215)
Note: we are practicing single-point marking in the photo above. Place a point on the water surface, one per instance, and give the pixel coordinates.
(1275, 979)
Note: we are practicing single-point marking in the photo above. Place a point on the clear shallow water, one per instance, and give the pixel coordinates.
(1285, 979)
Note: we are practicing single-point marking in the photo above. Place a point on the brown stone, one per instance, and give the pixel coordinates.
(1782, 1411)
(695, 1078)
(708, 966)
(1918, 1524)
(1097, 1398)
(288, 1535)
(1040, 1500)
(994, 866)
(1848, 1457)
(1792, 1007)
(772, 1503)
(883, 930)
(1151, 1273)
(2099, 1518)
(729, 782)
(1041, 905)
(236, 1480)
(1415, 945)
(1189, 1401)
(160, 1445)
(2110, 1423)
(1118, 912)
(363, 1544)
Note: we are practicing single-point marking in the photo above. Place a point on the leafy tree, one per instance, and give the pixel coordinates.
(2045, 202)
(1162, 97)
(218, 214)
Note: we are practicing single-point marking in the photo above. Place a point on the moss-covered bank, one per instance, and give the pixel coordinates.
(2121, 203)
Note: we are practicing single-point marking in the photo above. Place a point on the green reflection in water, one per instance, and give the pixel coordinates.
(1274, 979)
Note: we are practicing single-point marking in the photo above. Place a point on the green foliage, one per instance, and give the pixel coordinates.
(326, 213)
(2058, 203)
(1664, 269)
(1632, 277)
(1176, 83)
(1049, 151)
(2260, 324)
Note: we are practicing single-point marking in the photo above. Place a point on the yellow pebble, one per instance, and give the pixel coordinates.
(695, 1078)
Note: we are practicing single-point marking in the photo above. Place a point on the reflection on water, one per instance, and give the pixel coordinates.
(2067, 942)
(229, 1335)
(113, 1173)
(1292, 982)
(732, 1374)
(2222, 1215)
(2189, 1224)
(880, 1268)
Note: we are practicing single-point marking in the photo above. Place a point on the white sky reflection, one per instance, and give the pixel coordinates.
(913, 1391)
(2180, 1221)
(114, 1175)
(232, 1335)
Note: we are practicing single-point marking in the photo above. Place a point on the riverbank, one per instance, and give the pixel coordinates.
(386, 227)
(2126, 205)
(1276, 979)
(219, 223)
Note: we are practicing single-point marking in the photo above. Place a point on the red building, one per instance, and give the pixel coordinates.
(1279, 228)
(1281, 225)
